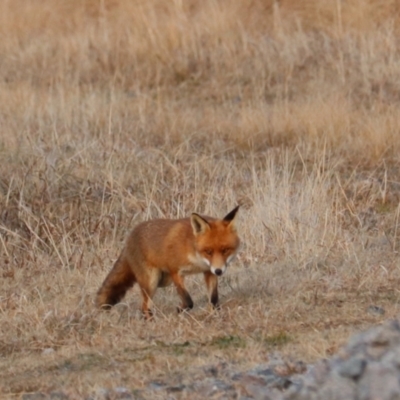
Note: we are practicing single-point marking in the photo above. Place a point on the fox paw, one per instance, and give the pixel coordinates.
(180, 309)
(148, 315)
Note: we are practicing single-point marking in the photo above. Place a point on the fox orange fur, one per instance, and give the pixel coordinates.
(162, 251)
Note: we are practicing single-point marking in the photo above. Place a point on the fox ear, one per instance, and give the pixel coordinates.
(230, 217)
(199, 224)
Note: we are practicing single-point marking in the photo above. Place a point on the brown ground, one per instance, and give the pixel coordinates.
(113, 112)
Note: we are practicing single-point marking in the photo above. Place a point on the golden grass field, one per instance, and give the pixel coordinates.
(115, 111)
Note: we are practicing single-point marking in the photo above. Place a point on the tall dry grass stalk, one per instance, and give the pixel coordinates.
(113, 112)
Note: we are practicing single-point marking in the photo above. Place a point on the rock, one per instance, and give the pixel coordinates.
(320, 372)
(352, 368)
(156, 385)
(376, 310)
(366, 369)
(255, 388)
(380, 381)
(122, 393)
(101, 394)
(337, 388)
(58, 396)
(34, 396)
(210, 387)
(176, 389)
(47, 351)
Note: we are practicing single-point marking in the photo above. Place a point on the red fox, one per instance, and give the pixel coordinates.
(159, 252)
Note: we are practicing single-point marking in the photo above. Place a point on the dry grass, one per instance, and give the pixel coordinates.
(113, 112)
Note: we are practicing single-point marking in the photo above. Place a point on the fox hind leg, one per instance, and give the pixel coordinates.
(117, 282)
(148, 287)
(147, 295)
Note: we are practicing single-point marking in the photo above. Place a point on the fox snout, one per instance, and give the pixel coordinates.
(218, 271)
(218, 265)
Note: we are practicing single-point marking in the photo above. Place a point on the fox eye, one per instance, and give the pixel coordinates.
(209, 252)
(225, 250)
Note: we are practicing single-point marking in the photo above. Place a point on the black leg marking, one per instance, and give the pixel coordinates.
(214, 298)
(187, 302)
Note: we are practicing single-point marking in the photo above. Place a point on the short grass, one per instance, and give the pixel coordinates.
(114, 112)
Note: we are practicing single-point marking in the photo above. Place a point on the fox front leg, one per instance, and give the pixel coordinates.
(212, 288)
(187, 302)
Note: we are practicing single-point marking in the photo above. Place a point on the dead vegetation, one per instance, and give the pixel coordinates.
(113, 112)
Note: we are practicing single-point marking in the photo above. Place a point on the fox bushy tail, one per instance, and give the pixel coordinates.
(116, 284)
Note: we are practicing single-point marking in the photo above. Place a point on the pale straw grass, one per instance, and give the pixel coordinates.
(117, 112)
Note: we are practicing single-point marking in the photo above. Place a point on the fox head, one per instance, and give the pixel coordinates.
(216, 241)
